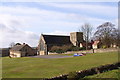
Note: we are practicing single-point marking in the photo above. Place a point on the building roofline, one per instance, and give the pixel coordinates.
(76, 32)
(54, 35)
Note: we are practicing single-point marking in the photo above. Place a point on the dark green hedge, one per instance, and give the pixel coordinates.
(65, 48)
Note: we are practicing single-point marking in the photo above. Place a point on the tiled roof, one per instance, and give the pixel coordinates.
(57, 39)
(17, 47)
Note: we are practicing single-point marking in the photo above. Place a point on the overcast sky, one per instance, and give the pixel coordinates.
(24, 21)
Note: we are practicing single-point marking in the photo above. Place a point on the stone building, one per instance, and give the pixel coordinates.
(22, 50)
(4, 52)
(47, 41)
(76, 38)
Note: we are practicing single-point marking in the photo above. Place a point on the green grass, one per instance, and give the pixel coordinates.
(0, 68)
(109, 74)
(26, 67)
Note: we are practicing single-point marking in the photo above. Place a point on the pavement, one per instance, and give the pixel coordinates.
(51, 56)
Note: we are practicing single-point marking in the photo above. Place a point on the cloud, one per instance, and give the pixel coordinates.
(46, 15)
(10, 32)
(58, 33)
(9, 36)
(87, 8)
(43, 16)
(21, 23)
(12, 21)
(60, 1)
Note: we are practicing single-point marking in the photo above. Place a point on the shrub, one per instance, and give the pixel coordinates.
(82, 48)
(73, 76)
(54, 48)
(60, 49)
(104, 46)
(77, 48)
(65, 48)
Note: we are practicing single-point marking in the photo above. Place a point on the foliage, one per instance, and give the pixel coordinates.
(107, 34)
(109, 74)
(104, 46)
(17, 44)
(65, 48)
(87, 30)
(60, 49)
(77, 48)
(12, 44)
(72, 75)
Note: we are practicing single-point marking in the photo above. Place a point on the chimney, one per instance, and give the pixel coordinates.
(23, 43)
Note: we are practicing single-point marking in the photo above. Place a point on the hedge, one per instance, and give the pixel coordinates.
(65, 48)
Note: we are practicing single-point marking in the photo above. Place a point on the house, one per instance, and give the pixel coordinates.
(47, 41)
(95, 44)
(4, 52)
(84, 44)
(22, 50)
(35, 50)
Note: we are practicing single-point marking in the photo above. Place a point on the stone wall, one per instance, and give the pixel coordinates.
(92, 71)
(89, 51)
(105, 50)
(95, 50)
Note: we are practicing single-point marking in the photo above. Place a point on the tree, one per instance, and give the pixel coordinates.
(17, 44)
(116, 37)
(87, 30)
(106, 33)
(12, 44)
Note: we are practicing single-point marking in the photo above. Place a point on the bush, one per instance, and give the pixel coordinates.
(54, 48)
(60, 49)
(73, 76)
(65, 48)
(82, 48)
(104, 47)
(77, 48)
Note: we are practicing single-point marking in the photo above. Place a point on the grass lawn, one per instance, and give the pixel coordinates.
(109, 74)
(0, 68)
(27, 67)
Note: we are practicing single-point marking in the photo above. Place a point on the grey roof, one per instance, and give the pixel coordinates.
(17, 47)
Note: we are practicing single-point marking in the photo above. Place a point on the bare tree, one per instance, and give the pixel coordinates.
(12, 44)
(87, 31)
(17, 44)
(106, 33)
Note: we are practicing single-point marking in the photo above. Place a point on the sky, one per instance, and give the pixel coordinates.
(24, 22)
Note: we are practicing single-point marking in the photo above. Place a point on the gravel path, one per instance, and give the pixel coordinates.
(51, 56)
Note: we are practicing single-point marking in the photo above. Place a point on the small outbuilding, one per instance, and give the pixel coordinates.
(22, 51)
